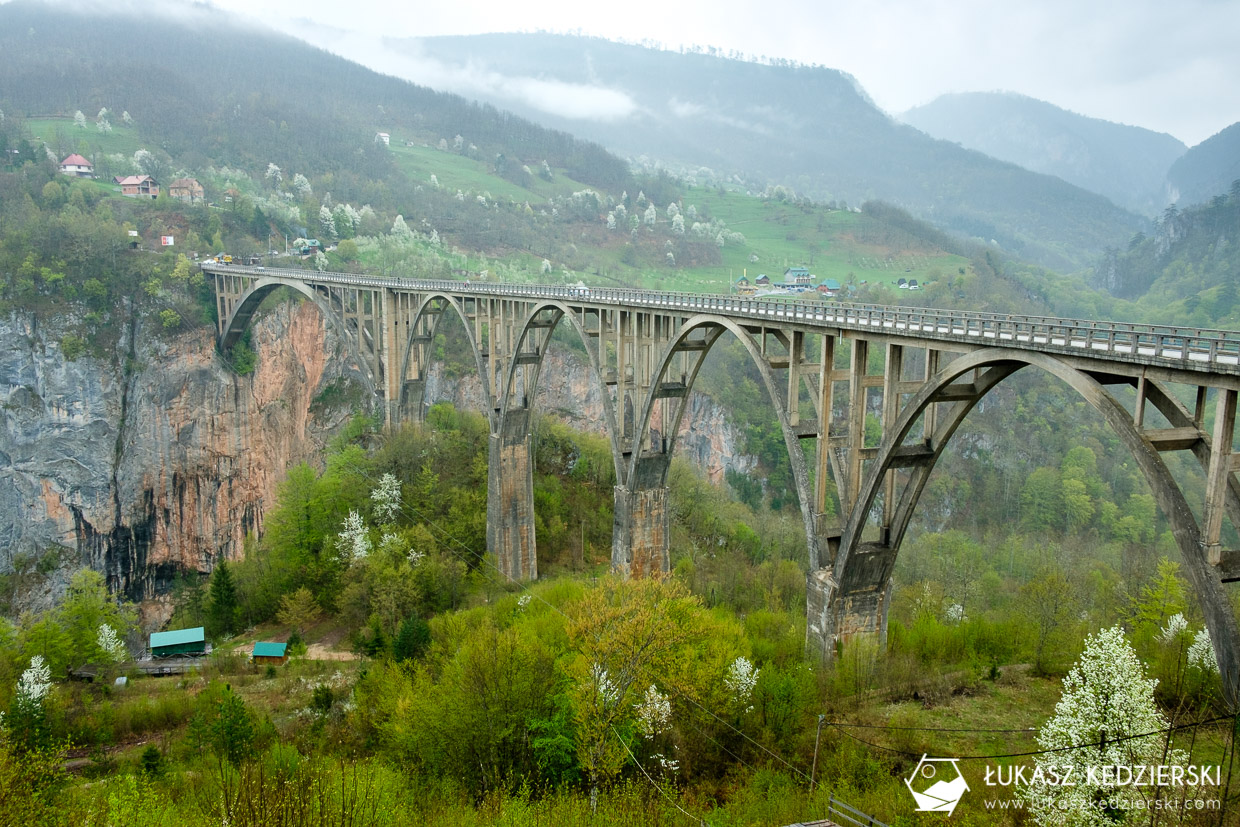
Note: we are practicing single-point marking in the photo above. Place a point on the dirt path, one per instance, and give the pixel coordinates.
(317, 651)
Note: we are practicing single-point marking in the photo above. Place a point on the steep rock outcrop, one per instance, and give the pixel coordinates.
(163, 460)
(158, 461)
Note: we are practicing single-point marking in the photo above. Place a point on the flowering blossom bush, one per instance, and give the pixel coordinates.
(654, 713)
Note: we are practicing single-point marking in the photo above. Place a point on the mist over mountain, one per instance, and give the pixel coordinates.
(205, 88)
(810, 128)
(1127, 164)
(1206, 170)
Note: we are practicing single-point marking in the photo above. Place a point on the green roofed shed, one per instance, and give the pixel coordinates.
(179, 642)
(267, 652)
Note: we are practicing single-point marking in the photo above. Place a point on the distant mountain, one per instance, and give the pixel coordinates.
(1127, 164)
(207, 89)
(1206, 170)
(810, 128)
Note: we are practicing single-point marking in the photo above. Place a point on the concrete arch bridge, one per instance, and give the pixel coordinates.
(645, 349)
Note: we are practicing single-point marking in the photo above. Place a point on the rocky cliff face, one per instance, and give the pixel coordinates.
(159, 460)
(162, 460)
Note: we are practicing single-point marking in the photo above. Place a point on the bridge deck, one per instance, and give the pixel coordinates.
(1196, 350)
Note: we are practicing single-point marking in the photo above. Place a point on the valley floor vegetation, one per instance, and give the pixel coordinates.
(425, 690)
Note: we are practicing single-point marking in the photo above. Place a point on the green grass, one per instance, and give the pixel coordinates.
(837, 244)
(474, 177)
(61, 133)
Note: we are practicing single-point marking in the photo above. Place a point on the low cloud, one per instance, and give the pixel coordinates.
(402, 59)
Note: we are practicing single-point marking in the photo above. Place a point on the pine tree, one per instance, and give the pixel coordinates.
(222, 602)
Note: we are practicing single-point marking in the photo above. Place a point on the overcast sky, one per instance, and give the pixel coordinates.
(1168, 66)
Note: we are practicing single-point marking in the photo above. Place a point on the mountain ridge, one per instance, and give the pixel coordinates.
(1126, 164)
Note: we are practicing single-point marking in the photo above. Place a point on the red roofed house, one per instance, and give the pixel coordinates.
(186, 189)
(139, 186)
(77, 166)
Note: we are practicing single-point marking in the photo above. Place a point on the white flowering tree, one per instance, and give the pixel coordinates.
(654, 713)
(385, 499)
(678, 223)
(127, 118)
(110, 644)
(400, 229)
(1201, 653)
(650, 216)
(740, 680)
(34, 684)
(327, 223)
(354, 538)
(79, 119)
(1107, 699)
(301, 185)
(274, 174)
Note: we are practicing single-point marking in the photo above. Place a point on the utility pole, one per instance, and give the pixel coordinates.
(813, 773)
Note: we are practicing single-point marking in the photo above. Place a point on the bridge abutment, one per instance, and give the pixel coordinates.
(641, 532)
(510, 498)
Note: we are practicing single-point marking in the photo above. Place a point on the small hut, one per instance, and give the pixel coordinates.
(267, 652)
(191, 642)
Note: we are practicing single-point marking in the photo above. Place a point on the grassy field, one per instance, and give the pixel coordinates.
(63, 137)
(474, 177)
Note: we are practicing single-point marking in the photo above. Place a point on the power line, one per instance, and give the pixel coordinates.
(1046, 751)
(662, 792)
(925, 728)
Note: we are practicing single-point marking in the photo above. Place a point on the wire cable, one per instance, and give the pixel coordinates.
(926, 728)
(653, 783)
(1046, 751)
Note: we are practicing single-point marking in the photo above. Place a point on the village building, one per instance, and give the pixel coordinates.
(187, 189)
(268, 652)
(77, 166)
(179, 642)
(139, 186)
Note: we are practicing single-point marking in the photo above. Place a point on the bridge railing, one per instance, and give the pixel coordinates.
(1186, 348)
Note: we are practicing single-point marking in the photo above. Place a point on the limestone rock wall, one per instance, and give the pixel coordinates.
(161, 458)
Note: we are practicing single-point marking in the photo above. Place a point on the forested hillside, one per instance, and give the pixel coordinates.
(1187, 271)
(204, 89)
(1206, 170)
(1126, 164)
(809, 128)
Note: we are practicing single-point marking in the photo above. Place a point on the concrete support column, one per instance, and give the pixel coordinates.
(510, 499)
(834, 618)
(641, 533)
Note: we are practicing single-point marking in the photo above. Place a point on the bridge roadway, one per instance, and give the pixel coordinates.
(1177, 391)
(1212, 351)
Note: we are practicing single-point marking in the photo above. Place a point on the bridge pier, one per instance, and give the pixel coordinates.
(832, 618)
(641, 532)
(510, 497)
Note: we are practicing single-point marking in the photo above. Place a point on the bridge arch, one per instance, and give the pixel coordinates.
(647, 472)
(525, 369)
(416, 349)
(239, 319)
(861, 571)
